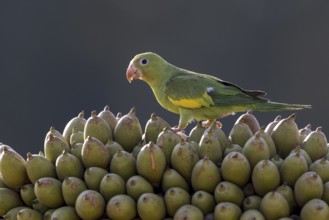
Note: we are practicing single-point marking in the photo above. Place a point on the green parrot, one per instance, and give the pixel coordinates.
(196, 96)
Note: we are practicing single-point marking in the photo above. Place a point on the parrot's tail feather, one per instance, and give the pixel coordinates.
(277, 106)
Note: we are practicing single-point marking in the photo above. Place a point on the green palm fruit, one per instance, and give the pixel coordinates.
(28, 214)
(236, 169)
(138, 185)
(277, 160)
(77, 122)
(2, 184)
(12, 213)
(288, 194)
(251, 202)
(189, 212)
(109, 117)
(321, 167)
(154, 127)
(249, 119)
(274, 206)
(53, 147)
(315, 144)
(269, 141)
(224, 141)
(48, 213)
(128, 131)
(12, 168)
(228, 192)
(232, 148)
(38, 206)
(98, 128)
(285, 135)
(197, 132)
(255, 150)
(68, 165)
(27, 194)
(269, 128)
(292, 168)
(204, 201)
(209, 146)
(252, 214)
(183, 158)
(151, 163)
(76, 149)
(303, 132)
(265, 177)
(205, 175)
(167, 140)
(121, 207)
(240, 133)
(76, 137)
(94, 153)
(38, 166)
(171, 178)
(48, 191)
(299, 150)
(56, 133)
(151, 207)
(93, 177)
(112, 184)
(113, 147)
(315, 209)
(308, 186)
(137, 149)
(65, 212)
(71, 188)
(8, 199)
(174, 198)
(90, 204)
(325, 196)
(227, 211)
(123, 164)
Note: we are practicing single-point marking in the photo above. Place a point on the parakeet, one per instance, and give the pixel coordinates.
(196, 96)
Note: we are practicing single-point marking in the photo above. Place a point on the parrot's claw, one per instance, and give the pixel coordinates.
(177, 129)
(207, 124)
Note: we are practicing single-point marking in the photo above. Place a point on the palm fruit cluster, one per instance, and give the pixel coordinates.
(105, 167)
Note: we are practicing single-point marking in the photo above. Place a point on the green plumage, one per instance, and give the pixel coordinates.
(197, 96)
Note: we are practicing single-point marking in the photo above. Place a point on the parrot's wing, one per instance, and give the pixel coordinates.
(199, 90)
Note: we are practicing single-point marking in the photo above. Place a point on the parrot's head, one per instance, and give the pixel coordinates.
(149, 67)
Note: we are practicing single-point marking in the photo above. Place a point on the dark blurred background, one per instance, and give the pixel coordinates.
(60, 57)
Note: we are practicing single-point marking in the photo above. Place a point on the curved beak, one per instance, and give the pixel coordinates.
(133, 73)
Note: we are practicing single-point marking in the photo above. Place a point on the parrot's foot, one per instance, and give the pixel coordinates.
(207, 123)
(177, 129)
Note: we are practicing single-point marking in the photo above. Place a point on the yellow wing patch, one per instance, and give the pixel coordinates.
(204, 101)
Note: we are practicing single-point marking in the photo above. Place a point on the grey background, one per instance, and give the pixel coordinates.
(60, 57)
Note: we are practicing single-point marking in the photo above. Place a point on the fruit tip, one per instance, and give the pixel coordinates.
(28, 156)
(278, 118)
(93, 113)
(132, 111)
(81, 114)
(154, 117)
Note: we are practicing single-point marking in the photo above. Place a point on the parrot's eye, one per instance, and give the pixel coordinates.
(144, 61)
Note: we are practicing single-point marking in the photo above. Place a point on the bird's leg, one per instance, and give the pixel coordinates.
(183, 122)
(208, 123)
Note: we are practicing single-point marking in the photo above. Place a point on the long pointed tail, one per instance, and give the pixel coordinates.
(277, 106)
